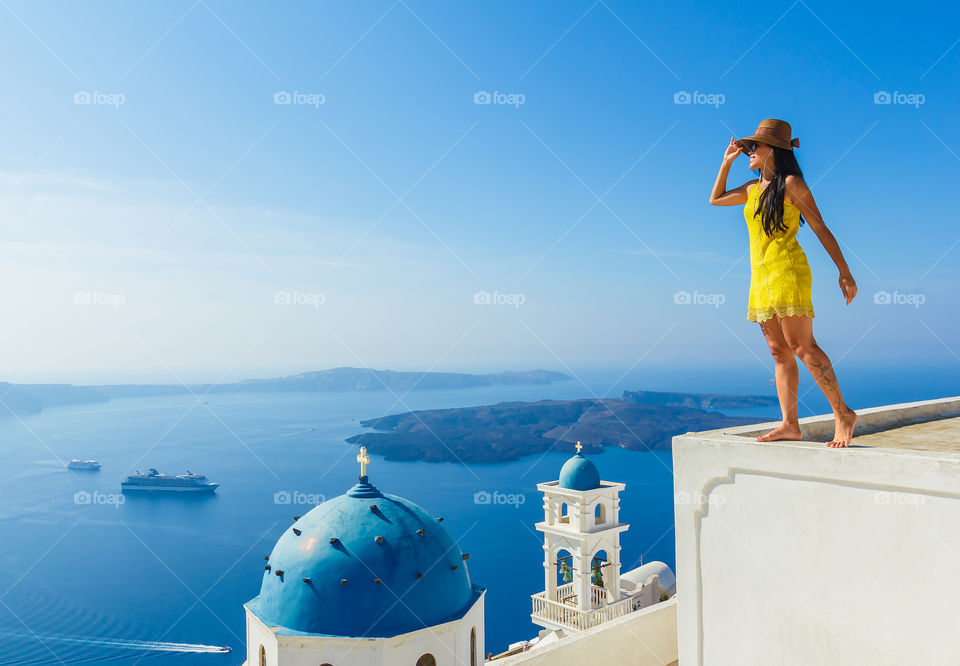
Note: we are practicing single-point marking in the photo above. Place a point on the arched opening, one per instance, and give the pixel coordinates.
(427, 660)
(564, 515)
(565, 566)
(263, 656)
(600, 514)
(473, 646)
(598, 575)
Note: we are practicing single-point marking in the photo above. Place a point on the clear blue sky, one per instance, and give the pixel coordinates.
(182, 199)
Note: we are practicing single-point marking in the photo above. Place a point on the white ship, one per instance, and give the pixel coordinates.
(76, 463)
(154, 481)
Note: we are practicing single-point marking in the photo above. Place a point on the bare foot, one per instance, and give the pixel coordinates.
(783, 431)
(843, 432)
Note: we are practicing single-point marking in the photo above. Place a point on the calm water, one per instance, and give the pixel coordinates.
(101, 582)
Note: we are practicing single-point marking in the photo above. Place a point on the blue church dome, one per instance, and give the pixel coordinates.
(340, 569)
(579, 473)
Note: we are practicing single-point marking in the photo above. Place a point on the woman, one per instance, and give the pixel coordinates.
(775, 204)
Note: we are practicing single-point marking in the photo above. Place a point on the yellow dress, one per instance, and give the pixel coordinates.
(780, 279)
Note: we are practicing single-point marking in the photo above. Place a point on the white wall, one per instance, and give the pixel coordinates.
(791, 553)
(647, 637)
(449, 643)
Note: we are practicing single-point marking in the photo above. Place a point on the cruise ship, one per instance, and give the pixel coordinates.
(154, 481)
(76, 463)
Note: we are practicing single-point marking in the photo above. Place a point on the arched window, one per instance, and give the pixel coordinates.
(427, 660)
(564, 516)
(263, 656)
(600, 514)
(473, 646)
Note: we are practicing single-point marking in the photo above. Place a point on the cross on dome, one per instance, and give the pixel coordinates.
(363, 459)
(578, 446)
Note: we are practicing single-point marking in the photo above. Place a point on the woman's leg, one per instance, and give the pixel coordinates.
(787, 376)
(798, 332)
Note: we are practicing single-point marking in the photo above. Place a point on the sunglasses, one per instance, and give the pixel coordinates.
(749, 147)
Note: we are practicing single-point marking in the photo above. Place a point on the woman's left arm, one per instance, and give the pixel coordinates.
(802, 197)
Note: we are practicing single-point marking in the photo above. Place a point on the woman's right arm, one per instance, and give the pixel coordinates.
(720, 196)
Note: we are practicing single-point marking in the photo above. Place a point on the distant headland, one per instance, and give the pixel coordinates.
(640, 420)
(32, 398)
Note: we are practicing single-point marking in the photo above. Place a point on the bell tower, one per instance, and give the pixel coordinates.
(582, 518)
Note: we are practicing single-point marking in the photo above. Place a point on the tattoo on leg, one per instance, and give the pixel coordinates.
(826, 372)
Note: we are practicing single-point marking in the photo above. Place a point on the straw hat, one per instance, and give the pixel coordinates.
(772, 132)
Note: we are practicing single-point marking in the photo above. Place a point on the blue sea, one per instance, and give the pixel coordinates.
(85, 578)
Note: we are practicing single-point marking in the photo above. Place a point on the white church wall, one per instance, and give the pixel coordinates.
(647, 637)
(449, 643)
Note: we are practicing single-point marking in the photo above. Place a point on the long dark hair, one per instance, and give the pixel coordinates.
(770, 202)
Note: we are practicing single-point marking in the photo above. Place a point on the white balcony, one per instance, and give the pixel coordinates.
(562, 612)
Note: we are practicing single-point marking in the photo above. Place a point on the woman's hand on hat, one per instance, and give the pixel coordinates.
(733, 150)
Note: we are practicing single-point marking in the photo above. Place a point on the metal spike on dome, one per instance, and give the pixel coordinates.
(296, 517)
(377, 581)
(297, 532)
(334, 541)
(343, 581)
(378, 539)
(306, 580)
(266, 568)
(420, 531)
(279, 572)
(266, 557)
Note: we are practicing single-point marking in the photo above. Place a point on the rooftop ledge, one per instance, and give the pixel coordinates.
(797, 553)
(931, 426)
